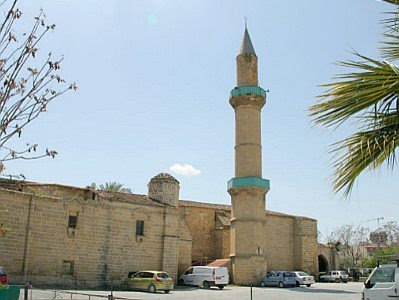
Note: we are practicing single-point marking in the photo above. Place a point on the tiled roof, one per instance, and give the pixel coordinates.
(220, 263)
(131, 198)
(204, 205)
(188, 203)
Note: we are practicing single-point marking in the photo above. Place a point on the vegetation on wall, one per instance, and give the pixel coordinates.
(114, 186)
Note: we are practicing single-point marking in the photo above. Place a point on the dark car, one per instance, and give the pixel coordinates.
(3, 276)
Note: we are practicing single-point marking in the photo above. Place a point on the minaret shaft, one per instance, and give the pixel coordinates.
(248, 149)
(247, 189)
(247, 69)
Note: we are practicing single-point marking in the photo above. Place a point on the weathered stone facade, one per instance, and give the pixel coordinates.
(102, 244)
(104, 247)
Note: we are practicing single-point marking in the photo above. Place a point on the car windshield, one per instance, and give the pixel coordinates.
(343, 272)
(302, 274)
(289, 274)
(382, 275)
(2, 271)
(163, 275)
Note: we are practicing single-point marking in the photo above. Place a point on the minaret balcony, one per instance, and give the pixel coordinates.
(248, 181)
(248, 90)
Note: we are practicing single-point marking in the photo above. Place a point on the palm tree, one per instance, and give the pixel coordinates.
(369, 98)
(114, 186)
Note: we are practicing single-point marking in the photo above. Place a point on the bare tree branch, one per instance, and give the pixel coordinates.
(27, 86)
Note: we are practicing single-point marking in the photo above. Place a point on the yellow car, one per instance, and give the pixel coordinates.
(151, 281)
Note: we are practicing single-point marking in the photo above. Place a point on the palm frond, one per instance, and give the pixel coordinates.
(392, 1)
(366, 149)
(390, 49)
(357, 92)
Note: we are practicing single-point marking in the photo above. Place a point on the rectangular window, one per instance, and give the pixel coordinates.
(72, 220)
(139, 227)
(67, 267)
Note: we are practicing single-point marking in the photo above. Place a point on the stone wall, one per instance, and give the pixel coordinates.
(102, 248)
(290, 241)
(279, 242)
(203, 224)
(305, 237)
(328, 253)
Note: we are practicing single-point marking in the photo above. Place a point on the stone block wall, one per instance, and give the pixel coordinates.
(201, 221)
(279, 242)
(102, 248)
(305, 245)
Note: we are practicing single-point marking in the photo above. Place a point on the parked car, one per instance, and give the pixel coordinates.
(278, 278)
(3, 276)
(303, 278)
(151, 281)
(205, 276)
(383, 283)
(335, 276)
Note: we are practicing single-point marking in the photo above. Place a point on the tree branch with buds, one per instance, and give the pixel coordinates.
(27, 84)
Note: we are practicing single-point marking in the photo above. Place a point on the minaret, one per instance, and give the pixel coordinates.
(248, 189)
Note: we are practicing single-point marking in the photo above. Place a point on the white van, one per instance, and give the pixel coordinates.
(383, 283)
(205, 276)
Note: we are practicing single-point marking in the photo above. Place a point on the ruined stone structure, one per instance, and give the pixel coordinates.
(75, 237)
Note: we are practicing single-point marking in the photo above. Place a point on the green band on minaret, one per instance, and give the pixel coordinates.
(248, 90)
(248, 181)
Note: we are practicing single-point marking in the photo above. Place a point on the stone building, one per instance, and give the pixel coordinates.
(70, 236)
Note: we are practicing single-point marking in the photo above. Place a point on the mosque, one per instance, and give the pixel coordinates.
(82, 237)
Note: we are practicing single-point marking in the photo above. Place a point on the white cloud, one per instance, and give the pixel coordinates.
(184, 169)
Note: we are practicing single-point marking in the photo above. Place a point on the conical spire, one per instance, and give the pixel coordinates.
(246, 44)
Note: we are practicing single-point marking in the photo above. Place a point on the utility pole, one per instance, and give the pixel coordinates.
(374, 219)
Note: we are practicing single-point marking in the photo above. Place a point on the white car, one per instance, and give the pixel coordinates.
(383, 283)
(335, 276)
(205, 276)
(303, 278)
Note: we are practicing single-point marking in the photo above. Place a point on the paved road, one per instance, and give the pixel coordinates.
(318, 291)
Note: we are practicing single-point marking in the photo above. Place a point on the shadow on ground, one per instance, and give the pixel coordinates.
(318, 290)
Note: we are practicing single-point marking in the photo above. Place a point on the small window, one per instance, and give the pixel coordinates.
(67, 267)
(189, 271)
(163, 275)
(72, 220)
(140, 227)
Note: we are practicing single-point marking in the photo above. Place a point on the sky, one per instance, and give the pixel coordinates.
(154, 78)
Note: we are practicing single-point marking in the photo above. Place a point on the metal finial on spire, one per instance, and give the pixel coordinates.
(246, 44)
(246, 21)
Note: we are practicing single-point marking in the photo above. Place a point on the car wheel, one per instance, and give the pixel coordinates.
(281, 284)
(262, 284)
(206, 285)
(345, 281)
(221, 286)
(308, 285)
(166, 291)
(337, 280)
(297, 284)
(152, 288)
(181, 282)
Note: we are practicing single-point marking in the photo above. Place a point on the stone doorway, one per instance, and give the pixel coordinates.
(323, 264)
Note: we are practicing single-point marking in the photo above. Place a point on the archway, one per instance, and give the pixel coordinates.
(323, 264)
